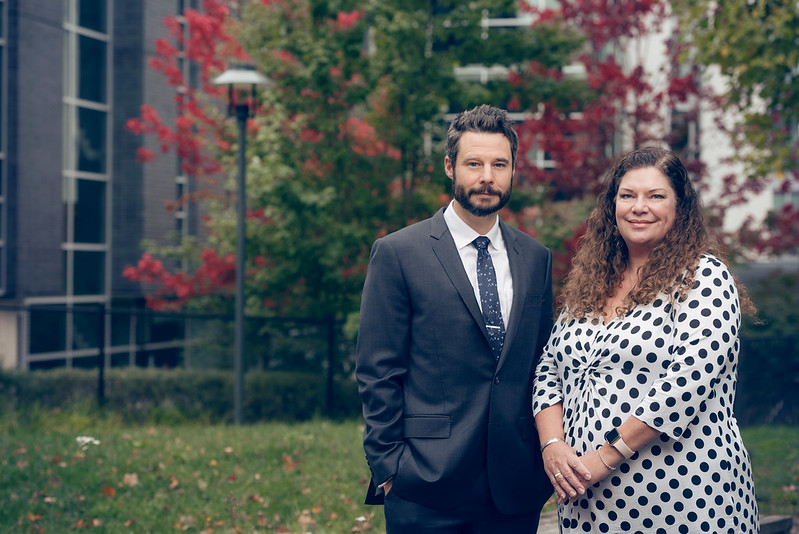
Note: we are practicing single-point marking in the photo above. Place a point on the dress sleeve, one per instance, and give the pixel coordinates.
(547, 388)
(704, 349)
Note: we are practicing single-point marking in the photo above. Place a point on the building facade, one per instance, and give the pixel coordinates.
(75, 204)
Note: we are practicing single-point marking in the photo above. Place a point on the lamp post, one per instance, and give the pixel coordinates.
(240, 79)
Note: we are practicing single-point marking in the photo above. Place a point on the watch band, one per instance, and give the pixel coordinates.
(615, 441)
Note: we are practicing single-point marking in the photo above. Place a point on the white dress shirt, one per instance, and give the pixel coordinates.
(463, 235)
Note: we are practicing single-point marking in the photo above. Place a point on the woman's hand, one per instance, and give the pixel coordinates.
(566, 472)
(595, 466)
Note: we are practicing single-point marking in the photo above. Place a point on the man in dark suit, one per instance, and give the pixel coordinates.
(450, 333)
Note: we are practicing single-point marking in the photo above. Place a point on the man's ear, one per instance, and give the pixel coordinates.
(448, 167)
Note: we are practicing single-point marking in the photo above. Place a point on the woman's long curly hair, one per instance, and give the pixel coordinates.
(598, 267)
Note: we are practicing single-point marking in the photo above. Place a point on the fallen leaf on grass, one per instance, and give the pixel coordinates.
(130, 479)
(81, 524)
(305, 520)
(288, 463)
(363, 523)
(109, 491)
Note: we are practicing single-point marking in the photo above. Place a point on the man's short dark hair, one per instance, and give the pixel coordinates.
(482, 119)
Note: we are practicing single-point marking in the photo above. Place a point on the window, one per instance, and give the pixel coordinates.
(88, 272)
(47, 330)
(183, 211)
(788, 198)
(90, 212)
(3, 104)
(64, 330)
(86, 147)
(91, 62)
(92, 14)
(90, 146)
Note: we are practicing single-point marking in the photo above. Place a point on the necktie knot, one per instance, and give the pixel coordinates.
(481, 243)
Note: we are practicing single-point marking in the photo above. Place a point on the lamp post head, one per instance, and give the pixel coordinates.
(241, 78)
(242, 75)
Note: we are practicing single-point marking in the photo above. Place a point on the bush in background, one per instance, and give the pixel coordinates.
(179, 395)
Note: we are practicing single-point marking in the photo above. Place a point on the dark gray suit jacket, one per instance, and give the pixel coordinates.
(441, 413)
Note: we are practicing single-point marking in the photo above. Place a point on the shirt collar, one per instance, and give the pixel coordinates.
(463, 234)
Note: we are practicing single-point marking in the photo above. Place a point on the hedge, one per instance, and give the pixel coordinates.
(139, 395)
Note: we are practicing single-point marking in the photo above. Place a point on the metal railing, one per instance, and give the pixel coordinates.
(94, 336)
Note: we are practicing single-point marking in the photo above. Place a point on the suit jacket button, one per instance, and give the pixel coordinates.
(496, 380)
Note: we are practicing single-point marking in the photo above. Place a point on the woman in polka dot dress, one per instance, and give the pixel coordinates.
(634, 393)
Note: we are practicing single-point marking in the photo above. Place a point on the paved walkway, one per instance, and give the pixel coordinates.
(548, 523)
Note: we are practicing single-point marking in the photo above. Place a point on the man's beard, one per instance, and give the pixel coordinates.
(464, 197)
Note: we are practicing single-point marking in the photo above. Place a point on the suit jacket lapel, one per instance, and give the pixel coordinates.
(444, 249)
(519, 287)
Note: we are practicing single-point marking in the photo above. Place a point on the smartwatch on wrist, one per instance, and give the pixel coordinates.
(615, 441)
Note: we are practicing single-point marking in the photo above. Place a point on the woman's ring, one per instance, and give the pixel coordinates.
(556, 475)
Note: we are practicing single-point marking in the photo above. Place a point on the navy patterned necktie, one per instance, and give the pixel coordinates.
(489, 296)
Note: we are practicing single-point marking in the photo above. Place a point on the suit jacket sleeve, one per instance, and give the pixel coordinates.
(382, 359)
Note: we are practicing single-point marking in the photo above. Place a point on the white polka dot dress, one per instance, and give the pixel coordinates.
(673, 367)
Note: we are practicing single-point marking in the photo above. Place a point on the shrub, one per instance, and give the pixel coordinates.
(180, 395)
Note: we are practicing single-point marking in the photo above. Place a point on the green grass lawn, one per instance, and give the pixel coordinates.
(775, 460)
(308, 477)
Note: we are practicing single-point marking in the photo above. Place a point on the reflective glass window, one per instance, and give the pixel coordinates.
(90, 212)
(47, 330)
(85, 324)
(92, 14)
(90, 140)
(89, 273)
(92, 67)
(2, 85)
